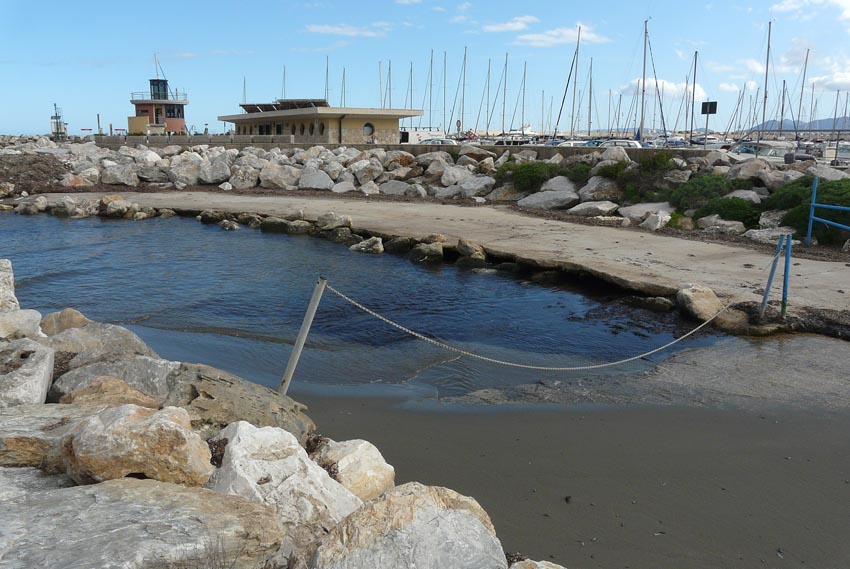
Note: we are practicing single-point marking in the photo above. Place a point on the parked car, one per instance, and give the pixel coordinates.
(625, 143)
(439, 141)
(573, 143)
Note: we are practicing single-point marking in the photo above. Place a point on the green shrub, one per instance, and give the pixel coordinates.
(652, 162)
(699, 191)
(613, 171)
(831, 193)
(578, 174)
(791, 195)
(528, 176)
(731, 209)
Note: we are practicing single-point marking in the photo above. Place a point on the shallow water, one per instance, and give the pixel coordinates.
(235, 300)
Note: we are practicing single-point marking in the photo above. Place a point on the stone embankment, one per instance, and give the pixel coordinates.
(598, 185)
(112, 456)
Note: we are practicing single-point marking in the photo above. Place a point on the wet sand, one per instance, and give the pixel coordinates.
(648, 487)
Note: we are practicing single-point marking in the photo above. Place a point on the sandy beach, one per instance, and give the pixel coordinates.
(628, 487)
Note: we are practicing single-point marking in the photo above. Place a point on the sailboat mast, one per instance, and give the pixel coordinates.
(835, 122)
(381, 84)
(802, 90)
(590, 98)
(342, 94)
(575, 85)
(766, 70)
(390, 83)
(522, 113)
(609, 112)
(445, 59)
(504, 94)
(694, 100)
(643, 80)
(411, 93)
(463, 91)
(327, 77)
(812, 107)
(431, 92)
(487, 108)
(782, 109)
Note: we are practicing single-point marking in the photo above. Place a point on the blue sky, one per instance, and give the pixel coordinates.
(88, 56)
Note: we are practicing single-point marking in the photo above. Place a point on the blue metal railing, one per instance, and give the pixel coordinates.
(813, 217)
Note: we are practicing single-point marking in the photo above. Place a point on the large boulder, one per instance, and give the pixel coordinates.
(657, 220)
(426, 253)
(749, 170)
(715, 224)
(16, 324)
(133, 440)
(477, 186)
(555, 199)
(16, 482)
(772, 218)
(427, 158)
(136, 524)
(8, 300)
(592, 209)
(215, 398)
(313, 179)
(395, 188)
(185, 169)
(638, 212)
(110, 391)
(105, 338)
(371, 245)
(267, 465)
(529, 564)
(476, 152)
(120, 174)
(769, 236)
(243, 177)
(413, 525)
(30, 435)
(699, 302)
(366, 170)
(455, 175)
(599, 188)
(147, 374)
(616, 154)
(279, 176)
(358, 465)
(214, 171)
(398, 159)
(26, 370)
(826, 173)
(57, 322)
(330, 220)
(746, 195)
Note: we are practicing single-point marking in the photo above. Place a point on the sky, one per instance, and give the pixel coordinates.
(88, 56)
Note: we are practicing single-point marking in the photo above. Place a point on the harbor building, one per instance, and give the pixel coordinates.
(158, 111)
(314, 121)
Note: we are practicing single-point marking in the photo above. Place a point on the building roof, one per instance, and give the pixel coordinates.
(284, 105)
(276, 110)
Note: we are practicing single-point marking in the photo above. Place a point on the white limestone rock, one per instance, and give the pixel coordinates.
(616, 154)
(359, 467)
(120, 174)
(214, 171)
(371, 245)
(413, 525)
(638, 212)
(331, 220)
(770, 236)
(133, 440)
(26, 370)
(656, 221)
(826, 173)
(592, 209)
(312, 179)
(395, 188)
(746, 195)
(554, 199)
(455, 175)
(25, 481)
(243, 177)
(715, 224)
(15, 324)
(147, 374)
(698, 301)
(477, 186)
(277, 176)
(135, 524)
(268, 465)
(343, 187)
(599, 188)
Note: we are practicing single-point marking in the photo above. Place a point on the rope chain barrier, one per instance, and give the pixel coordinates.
(479, 357)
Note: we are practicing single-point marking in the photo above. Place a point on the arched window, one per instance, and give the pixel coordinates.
(301, 129)
(321, 129)
(368, 129)
(293, 129)
(312, 128)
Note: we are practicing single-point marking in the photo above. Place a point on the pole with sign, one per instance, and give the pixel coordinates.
(708, 108)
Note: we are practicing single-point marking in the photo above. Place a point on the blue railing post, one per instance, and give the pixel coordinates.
(812, 213)
(772, 274)
(785, 278)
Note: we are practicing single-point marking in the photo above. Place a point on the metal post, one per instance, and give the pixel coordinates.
(785, 279)
(812, 212)
(302, 334)
(770, 277)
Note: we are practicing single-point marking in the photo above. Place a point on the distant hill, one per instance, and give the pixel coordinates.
(842, 123)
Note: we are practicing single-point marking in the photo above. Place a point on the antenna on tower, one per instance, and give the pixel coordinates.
(156, 64)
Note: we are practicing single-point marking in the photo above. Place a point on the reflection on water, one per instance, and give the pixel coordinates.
(235, 300)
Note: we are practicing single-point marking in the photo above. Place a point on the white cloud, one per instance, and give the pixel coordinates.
(729, 87)
(807, 9)
(561, 36)
(374, 30)
(719, 67)
(408, 1)
(464, 6)
(514, 25)
(668, 88)
(439, 9)
(459, 19)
